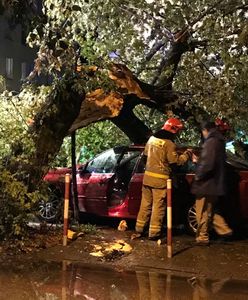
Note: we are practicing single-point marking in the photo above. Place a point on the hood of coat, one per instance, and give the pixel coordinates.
(214, 133)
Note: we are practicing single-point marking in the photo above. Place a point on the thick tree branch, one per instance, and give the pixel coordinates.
(171, 61)
(130, 124)
(150, 55)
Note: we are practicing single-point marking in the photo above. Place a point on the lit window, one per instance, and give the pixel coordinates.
(24, 71)
(9, 67)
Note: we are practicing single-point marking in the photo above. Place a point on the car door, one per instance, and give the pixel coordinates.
(123, 174)
(243, 192)
(94, 181)
(182, 199)
(135, 187)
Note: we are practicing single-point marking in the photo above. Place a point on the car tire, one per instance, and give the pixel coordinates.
(191, 223)
(50, 210)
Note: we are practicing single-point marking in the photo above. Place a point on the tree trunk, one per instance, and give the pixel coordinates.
(74, 177)
(50, 126)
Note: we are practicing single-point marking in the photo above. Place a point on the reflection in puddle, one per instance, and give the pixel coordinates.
(52, 281)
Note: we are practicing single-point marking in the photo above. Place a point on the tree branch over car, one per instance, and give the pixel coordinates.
(170, 51)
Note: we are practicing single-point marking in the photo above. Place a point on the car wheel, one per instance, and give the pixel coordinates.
(191, 220)
(50, 210)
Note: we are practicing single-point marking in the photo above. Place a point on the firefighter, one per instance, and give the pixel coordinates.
(222, 125)
(161, 155)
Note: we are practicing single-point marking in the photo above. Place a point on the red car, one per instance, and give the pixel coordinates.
(110, 185)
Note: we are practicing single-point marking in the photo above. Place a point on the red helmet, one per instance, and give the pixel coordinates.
(222, 125)
(173, 125)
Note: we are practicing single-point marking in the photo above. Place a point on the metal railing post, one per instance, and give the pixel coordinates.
(66, 208)
(169, 218)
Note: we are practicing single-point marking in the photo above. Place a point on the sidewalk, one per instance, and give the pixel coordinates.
(219, 260)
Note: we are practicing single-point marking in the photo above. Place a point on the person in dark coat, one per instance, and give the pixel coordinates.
(209, 184)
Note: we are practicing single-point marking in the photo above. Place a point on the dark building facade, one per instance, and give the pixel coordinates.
(16, 58)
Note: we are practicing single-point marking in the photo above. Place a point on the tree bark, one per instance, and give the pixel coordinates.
(50, 126)
(74, 177)
(130, 124)
(118, 105)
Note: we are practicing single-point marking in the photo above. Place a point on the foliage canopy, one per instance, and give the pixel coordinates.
(211, 74)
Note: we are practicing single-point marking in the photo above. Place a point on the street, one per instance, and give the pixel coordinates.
(219, 271)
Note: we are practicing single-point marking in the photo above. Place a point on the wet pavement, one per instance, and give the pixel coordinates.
(220, 260)
(144, 272)
(73, 280)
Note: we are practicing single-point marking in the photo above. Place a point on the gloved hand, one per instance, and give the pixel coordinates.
(189, 152)
(194, 158)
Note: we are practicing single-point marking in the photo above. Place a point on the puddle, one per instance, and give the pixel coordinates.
(67, 280)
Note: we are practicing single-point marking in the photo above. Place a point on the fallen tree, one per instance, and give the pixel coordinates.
(106, 57)
(170, 57)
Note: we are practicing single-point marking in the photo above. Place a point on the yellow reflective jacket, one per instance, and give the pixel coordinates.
(161, 153)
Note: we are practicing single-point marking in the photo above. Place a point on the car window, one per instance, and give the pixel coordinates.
(141, 165)
(129, 159)
(187, 168)
(103, 163)
(125, 169)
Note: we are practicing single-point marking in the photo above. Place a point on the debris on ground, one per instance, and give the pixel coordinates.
(135, 236)
(72, 235)
(112, 250)
(122, 226)
(97, 254)
(32, 242)
(42, 236)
